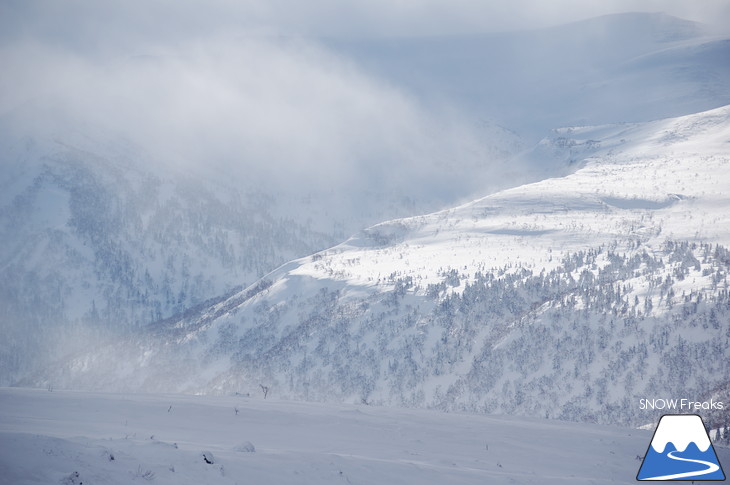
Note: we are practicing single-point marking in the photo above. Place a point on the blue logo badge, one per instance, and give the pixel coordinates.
(680, 450)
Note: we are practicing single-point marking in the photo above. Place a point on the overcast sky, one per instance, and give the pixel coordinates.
(211, 79)
(89, 24)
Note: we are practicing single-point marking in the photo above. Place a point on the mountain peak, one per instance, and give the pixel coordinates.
(659, 25)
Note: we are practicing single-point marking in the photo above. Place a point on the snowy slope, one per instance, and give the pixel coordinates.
(74, 438)
(573, 297)
(112, 217)
(647, 182)
(97, 238)
(136, 187)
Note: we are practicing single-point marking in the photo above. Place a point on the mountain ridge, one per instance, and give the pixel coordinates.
(631, 67)
(618, 269)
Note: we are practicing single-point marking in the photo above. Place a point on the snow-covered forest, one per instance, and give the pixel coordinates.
(519, 228)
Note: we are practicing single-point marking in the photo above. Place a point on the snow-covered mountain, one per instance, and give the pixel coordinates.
(616, 68)
(93, 241)
(155, 186)
(101, 235)
(569, 298)
(134, 188)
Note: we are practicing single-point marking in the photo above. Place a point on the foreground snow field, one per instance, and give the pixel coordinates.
(93, 438)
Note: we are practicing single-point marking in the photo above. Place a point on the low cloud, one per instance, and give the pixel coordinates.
(282, 112)
(245, 89)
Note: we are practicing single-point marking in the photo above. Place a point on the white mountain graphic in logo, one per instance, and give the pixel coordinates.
(680, 450)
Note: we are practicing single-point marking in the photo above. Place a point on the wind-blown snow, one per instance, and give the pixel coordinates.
(619, 271)
(113, 217)
(648, 182)
(631, 67)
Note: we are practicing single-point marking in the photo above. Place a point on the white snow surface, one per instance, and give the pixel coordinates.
(650, 182)
(360, 323)
(103, 234)
(79, 437)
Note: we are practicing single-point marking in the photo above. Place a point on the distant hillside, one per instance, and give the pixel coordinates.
(627, 67)
(570, 298)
